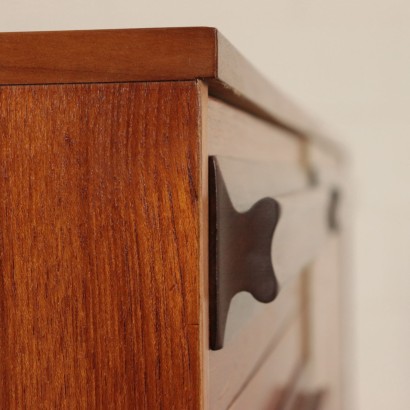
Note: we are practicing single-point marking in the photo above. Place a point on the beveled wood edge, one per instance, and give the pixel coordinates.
(152, 54)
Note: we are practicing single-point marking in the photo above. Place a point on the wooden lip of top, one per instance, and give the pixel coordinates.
(94, 56)
(157, 54)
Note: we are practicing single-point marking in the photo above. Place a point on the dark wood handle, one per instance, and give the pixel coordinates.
(249, 250)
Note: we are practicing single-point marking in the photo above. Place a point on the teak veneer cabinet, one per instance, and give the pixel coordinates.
(148, 179)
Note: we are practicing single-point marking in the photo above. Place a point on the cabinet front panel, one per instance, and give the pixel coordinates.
(99, 292)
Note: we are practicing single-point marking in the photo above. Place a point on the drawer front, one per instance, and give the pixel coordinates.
(258, 161)
(252, 329)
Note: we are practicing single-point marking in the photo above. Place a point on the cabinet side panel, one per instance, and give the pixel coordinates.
(99, 246)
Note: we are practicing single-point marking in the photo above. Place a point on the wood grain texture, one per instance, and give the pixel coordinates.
(99, 247)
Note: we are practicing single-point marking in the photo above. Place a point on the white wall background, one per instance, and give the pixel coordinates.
(348, 62)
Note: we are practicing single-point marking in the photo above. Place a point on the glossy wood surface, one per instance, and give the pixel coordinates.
(99, 290)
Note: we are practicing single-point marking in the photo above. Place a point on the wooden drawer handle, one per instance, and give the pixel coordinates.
(247, 249)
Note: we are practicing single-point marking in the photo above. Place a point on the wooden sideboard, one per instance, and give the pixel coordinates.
(152, 186)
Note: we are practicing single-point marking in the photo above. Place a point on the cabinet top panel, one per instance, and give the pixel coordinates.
(107, 55)
(154, 54)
